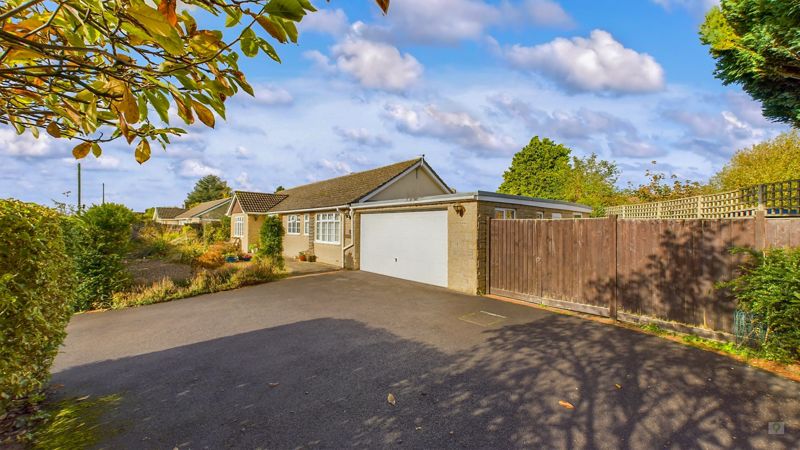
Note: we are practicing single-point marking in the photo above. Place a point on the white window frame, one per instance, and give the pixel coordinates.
(327, 227)
(506, 213)
(238, 226)
(306, 223)
(577, 216)
(540, 214)
(555, 215)
(292, 224)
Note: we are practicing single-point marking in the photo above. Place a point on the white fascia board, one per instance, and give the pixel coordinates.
(539, 203)
(479, 196)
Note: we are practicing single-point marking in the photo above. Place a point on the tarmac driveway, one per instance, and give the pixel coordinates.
(202, 373)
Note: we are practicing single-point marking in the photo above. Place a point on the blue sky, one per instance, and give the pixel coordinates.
(465, 82)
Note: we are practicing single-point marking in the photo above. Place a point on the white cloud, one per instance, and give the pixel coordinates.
(548, 12)
(443, 21)
(24, 145)
(270, 95)
(695, 6)
(193, 168)
(597, 64)
(361, 136)
(457, 127)
(241, 152)
(327, 21)
(337, 167)
(243, 181)
(376, 65)
(451, 21)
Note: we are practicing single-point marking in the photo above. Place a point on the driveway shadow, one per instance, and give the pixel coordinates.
(334, 376)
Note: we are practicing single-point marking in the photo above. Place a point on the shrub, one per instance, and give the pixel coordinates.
(36, 283)
(211, 259)
(271, 241)
(769, 288)
(254, 273)
(99, 273)
(111, 226)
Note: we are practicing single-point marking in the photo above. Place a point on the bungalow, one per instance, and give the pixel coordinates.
(206, 212)
(167, 214)
(400, 220)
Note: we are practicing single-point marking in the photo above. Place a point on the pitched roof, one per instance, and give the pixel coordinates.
(341, 190)
(203, 207)
(257, 202)
(168, 212)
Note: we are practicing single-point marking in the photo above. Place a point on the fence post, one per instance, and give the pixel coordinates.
(699, 206)
(762, 190)
(612, 304)
(761, 230)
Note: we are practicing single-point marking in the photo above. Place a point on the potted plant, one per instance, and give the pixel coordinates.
(302, 256)
(311, 258)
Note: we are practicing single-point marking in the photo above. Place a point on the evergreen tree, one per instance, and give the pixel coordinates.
(210, 187)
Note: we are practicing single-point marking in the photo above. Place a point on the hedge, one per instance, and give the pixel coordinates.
(36, 285)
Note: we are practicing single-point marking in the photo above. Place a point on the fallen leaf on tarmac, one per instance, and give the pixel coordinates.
(391, 400)
(618, 386)
(80, 399)
(567, 405)
(273, 385)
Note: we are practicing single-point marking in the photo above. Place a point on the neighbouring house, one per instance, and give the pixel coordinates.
(206, 212)
(167, 214)
(400, 220)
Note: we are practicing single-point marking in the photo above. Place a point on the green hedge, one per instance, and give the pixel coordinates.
(769, 288)
(36, 285)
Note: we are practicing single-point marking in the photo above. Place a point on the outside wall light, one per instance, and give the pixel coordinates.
(460, 210)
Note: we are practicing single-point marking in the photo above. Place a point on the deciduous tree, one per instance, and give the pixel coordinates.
(541, 169)
(97, 70)
(767, 162)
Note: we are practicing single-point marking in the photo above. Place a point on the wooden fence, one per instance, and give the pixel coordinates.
(775, 199)
(622, 268)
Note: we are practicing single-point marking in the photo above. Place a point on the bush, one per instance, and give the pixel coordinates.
(96, 240)
(271, 241)
(36, 283)
(211, 259)
(769, 288)
(204, 282)
(99, 274)
(111, 225)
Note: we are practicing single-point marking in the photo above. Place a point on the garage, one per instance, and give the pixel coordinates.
(409, 245)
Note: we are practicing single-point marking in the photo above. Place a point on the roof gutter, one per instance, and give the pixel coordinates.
(479, 196)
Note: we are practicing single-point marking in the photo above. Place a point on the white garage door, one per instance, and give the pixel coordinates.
(408, 245)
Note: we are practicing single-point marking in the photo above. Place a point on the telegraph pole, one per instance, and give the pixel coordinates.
(104, 193)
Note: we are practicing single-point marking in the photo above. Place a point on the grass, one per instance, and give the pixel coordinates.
(203, 282)
(67, 424)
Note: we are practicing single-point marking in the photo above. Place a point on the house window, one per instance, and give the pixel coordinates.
(555, 215)
(238, 226)
(306, 224)
(505, 213)
(292, 225)
(539, 214)
(577, 216)
(326, 228)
